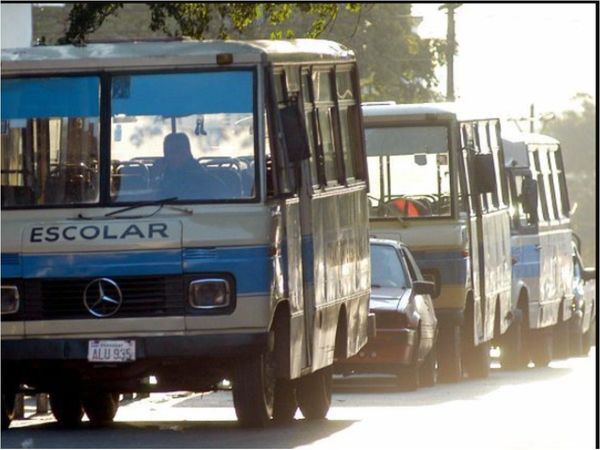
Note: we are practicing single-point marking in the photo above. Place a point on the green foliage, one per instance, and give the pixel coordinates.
(395, 63)
(576, 131)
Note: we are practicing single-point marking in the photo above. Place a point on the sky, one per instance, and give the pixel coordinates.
(513, 55)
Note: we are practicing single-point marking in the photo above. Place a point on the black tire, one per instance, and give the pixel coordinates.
(576, 336)
(66, 408)
(560, 344)
(513, 352)
(449, 355)
(589, 339)
(254, 390)
(313, 393)
(477, 360)
(285, 403)
(427, 372)
(8, 408)
(540, 347)
(100, 407)
(407, 378)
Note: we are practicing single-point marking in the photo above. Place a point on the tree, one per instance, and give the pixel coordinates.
(395, 63)
(576, 131)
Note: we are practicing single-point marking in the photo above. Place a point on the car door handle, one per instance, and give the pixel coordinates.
(538, 247)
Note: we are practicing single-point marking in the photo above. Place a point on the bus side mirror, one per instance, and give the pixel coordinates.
(588, 273)
(529, 196)
(484, 173)
(423, 287)
(294, 133)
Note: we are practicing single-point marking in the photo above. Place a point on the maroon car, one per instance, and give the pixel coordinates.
(406, 326)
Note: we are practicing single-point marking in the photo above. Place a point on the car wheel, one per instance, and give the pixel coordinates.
(449, 357)
(314, 393)
(254, 390)
(407, 378)
(66, 408)
(541, 347)
(8, 408)
(560, 344)
(427, 372)
(100, 407)
(285, 403)
(513, 354)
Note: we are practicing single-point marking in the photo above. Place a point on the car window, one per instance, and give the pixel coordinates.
(387, 270)
(413, 268)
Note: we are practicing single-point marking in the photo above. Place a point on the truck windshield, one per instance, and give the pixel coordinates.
(409, 171)
(188, 136)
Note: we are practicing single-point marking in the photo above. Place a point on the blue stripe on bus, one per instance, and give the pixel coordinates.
(251, 266)
(452, 265)
(528, 261)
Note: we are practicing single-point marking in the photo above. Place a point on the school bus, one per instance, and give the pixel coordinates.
(179, 213)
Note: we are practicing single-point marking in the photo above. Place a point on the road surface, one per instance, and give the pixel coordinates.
(551, 408)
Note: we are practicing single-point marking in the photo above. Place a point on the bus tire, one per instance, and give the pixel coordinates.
(576, 336)
(8, 408)
(513, 354)
(476, 360)
(285, 403)
(407, 378)
(589, 338)
(427, 372)
(541, 347)
(66, 408)
(314, 393)
(100, 407)
(449, 357)
(560, 334)
(254, 390)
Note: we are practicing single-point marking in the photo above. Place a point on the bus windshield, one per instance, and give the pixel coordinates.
(409, 171)
(184, 136)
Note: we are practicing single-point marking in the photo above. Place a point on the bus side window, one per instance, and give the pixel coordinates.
(543, 216)
(310, 121)
(325, 110)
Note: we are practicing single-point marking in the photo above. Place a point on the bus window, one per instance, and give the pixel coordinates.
(321, 80)
(310, 123)
(536, 170)
(50, 147)
(184, 135)
(418, 159)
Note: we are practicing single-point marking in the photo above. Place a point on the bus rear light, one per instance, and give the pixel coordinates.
(10, 299)
(209, 293)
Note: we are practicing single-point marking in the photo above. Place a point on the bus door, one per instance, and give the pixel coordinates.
(297, 213)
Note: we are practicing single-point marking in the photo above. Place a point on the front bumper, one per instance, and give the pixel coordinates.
(154, 347)
(390, 350)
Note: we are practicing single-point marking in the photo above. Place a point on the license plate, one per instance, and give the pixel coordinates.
(111, 351)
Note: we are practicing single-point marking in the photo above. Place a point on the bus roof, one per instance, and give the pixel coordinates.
(183, 53)
(386, 111)
(515, 147)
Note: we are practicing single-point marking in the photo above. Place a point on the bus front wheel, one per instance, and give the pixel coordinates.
(448, 357)
(66, 408)
(254, 390)
(314, 393)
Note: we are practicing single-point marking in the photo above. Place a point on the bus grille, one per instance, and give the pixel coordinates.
(142, 296)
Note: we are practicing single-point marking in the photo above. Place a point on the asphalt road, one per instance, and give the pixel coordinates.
(551, 408)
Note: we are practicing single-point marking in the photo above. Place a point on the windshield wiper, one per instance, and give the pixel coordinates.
(160, 203)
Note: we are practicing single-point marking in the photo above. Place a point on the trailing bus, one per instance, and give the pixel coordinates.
(437, 183)
(179, 213)
(542, 251)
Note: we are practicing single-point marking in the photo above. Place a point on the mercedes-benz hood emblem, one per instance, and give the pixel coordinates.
(102, 297)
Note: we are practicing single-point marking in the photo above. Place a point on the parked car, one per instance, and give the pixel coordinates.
(406, 325)
(583, 322)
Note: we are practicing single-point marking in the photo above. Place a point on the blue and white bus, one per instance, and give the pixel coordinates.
(542, 251)
(182, 212)
(437, 183)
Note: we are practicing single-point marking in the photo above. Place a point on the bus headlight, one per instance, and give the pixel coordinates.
(209, 293)
(10, 299)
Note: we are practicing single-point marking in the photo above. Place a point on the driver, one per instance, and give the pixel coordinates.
(183, 177)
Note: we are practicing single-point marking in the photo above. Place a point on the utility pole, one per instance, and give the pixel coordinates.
(532, 118)
(450, 49)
